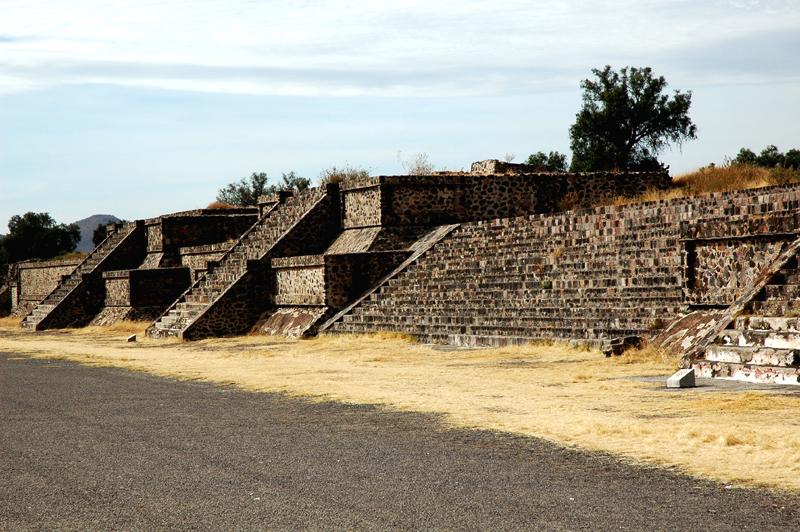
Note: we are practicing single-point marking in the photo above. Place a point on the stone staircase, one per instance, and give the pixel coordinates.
(230, 297)
(79, 292)
(487, 285)
(763, 343)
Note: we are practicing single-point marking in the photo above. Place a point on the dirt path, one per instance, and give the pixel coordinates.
(102, 448)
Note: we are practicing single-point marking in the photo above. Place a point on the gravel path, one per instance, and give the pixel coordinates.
(98, 448)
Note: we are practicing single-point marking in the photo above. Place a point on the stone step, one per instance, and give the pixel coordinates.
(434, 335)
(776, 307)
(767, 323)
(754, 355)
(521, 280)
(479, 316)
(782, 292)
(747, 372)
(559, 330)
(196, 297)
(759, 338)
(486, 308)
(189, 307)
(513, 300)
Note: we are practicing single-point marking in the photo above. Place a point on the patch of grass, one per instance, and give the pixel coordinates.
(10, 322)
(723, 178)
(120, 327)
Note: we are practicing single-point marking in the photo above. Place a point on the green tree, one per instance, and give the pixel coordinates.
(745, 156)
(770, 157)
(99, 234)
(37, 236)
(247, 190)
(792, 159)
(626, 120)
(292, 181)
(548, 162)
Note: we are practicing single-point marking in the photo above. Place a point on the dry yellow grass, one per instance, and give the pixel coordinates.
(717, 179)
(570, 396)
(9, 322)
(120, 327)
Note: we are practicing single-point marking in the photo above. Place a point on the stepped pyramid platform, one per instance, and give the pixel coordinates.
(470, 259)
(133, 274)
(314, 253)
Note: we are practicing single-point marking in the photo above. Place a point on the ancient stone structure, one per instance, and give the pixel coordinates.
(598, 274)
(312, 253)
(29, 282)
(478, 258)
(134, 274)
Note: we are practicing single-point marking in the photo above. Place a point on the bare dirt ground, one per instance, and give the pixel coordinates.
(742, 436)
(98, 448)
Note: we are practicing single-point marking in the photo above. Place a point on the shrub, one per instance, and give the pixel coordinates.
(548, 162)
(419, 164)
(338, 174)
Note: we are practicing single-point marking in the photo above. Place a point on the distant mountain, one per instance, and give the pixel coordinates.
(88, 225)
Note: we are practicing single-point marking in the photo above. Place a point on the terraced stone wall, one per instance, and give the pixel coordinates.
(145, 288)
(31, 282)
(592, 274)
(197, 258)
(440, 199)
(166, 235)
(329, 280)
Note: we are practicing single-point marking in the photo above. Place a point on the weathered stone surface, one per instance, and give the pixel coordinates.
(683, 378)
(591, 275)
(32, 281)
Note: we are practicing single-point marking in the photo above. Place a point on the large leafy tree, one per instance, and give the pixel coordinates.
(627, 119)
(35, 235)
(247, 190)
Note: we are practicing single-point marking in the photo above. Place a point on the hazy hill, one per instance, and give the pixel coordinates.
(88, 225)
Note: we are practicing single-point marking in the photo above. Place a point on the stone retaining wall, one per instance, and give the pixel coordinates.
(196, 258)
(441, 199)
(145, 288)
(30, 282)
(591, 274)
(329, 280)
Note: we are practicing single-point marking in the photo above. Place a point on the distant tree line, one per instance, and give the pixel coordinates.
(36, 235)
(770, 157)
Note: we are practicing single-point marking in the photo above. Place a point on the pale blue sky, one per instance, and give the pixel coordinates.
(137, 108)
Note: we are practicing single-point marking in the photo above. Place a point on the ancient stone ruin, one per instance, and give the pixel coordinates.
(494, 256)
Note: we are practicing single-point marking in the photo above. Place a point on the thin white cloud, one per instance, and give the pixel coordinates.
(347, 48)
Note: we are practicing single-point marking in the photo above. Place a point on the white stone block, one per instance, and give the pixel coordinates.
(682, 379)
(132, 338)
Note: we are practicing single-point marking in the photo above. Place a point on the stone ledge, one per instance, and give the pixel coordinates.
(301, 261)
(207, 248)
(31, 264)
